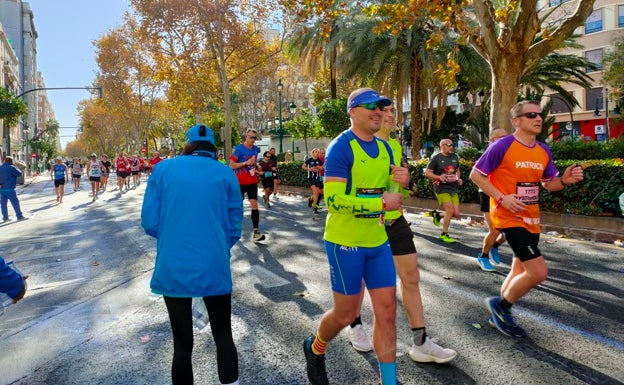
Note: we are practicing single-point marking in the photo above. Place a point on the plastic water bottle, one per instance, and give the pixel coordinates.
(5, 301)
(200, 313)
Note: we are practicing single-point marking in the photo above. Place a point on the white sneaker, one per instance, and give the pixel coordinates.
(359, 339)
(431, 352)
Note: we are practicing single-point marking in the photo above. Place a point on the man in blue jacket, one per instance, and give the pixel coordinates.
(194, 209)
(8, 181)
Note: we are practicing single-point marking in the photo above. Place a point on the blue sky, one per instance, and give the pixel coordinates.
(65, 53)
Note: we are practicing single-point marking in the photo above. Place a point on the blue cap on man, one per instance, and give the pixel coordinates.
(200, 133)
(365, 96)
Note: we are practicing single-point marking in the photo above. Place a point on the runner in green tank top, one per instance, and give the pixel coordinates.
(359, 170)
(401, 241)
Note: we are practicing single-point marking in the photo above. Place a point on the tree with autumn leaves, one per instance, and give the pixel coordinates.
(205, 55)
(175, 59)
(510, 35)
(205, 49)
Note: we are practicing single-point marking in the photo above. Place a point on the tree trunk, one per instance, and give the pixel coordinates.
(416, 108)
(506, 75)
(227, 107)
(333, 56)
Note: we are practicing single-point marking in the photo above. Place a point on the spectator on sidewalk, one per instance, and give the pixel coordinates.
(8, 181)
(194, 209)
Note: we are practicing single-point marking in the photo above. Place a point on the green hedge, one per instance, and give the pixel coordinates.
(292, 174)
(572, 150)
(596, 195)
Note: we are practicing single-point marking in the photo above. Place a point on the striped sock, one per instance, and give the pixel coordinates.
(319, 346)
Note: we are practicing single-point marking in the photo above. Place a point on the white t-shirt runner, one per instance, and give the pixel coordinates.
(95, 169)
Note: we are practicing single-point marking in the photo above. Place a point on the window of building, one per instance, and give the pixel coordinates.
(594, 22)
(620, 16)
(559, 105)
(594, 99)
(594, 56)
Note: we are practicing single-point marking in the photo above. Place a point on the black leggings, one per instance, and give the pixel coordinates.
(219, 311)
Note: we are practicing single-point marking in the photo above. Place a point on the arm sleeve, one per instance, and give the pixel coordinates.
(339, 202)
(11, 282)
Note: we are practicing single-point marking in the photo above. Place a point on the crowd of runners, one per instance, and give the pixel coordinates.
(128, 170)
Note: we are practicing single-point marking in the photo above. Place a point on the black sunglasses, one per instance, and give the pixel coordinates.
(532, 115)
(372, 106)
(252, 137)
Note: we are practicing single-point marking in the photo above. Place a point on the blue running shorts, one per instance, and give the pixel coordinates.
(348, 265)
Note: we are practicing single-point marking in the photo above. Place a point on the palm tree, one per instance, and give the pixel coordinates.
(308, 43)
(399, 65)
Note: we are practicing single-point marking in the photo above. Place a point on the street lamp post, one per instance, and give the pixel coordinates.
(607, 113)
(597, 112)
(26, 152)
(293, 108)
(280, 130)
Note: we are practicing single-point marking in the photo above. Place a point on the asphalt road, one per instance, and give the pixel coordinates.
(89, 317)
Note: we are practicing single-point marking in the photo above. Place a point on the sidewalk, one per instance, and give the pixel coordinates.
(599, 229)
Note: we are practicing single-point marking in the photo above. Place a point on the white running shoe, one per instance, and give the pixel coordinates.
(431, 352)
(359, 339)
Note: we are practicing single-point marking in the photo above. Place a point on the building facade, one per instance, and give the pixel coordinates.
(9, 80)
(598, 115)
(18, 25)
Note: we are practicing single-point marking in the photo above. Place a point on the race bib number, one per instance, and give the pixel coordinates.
(450, 178)
(268, 174)
(528, 192)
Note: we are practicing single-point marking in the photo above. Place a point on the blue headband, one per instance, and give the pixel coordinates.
(368, 97)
